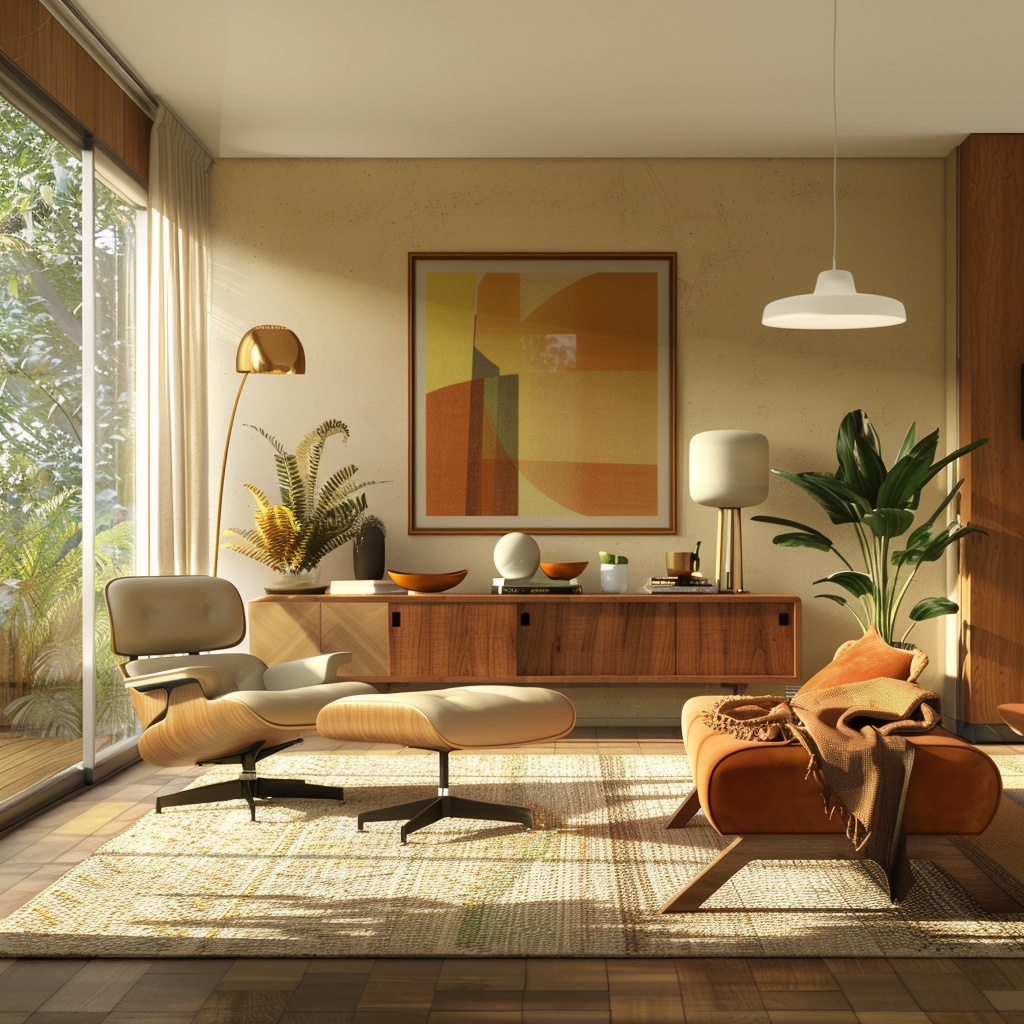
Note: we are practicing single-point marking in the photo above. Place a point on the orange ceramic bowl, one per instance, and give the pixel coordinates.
(428, 582)
(563, 570)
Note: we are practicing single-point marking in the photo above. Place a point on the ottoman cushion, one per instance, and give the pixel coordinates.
(456, 718)
(749, 787)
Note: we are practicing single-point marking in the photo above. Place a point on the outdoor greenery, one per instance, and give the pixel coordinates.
(41, 431)
(880, 504)
(294, 536)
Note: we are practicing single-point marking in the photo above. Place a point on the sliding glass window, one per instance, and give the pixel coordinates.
(69, 244)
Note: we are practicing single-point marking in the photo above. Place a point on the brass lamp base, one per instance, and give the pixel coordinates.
(729, 557)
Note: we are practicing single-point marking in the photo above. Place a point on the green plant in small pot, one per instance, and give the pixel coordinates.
(293, 537)
(880, 504)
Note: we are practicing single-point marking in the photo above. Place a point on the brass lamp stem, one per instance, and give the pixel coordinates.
(223, 467)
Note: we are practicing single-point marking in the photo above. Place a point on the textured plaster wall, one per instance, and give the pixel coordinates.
(321, 245)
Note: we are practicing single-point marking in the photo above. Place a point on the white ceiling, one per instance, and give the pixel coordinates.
(575, 78)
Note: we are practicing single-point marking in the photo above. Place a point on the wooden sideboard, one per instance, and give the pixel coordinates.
(725, 639)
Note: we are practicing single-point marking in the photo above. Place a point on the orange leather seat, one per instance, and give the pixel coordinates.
(749, 787)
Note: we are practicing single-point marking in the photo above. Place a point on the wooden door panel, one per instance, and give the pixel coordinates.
(433, 640)
(285, 631)
(724, 639)
(359, 628)
(610, 639)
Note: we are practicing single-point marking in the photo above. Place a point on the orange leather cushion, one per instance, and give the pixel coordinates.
(868, 658)
(747, 787)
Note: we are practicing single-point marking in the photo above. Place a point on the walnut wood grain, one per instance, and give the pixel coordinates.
(597, 640)
(361, 629)
(685, 811)
(743, 849)
(149, 705)
(34, 40)
(991, 352)
(734, 639)
(285, 632)
(197, 729)
(380, 722)
(453, 640)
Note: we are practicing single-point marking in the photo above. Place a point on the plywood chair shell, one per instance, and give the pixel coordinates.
(198, 729)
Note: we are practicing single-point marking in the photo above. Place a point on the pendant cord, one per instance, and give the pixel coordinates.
(835, 132)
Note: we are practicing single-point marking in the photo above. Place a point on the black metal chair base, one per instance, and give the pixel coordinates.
(419, 813)
(250, 786)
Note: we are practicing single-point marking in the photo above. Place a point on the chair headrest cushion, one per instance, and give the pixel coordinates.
(173, 614)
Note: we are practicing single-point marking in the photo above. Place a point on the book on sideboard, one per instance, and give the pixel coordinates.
(364, 587)
(536, 585)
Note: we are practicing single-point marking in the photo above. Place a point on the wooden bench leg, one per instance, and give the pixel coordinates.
(685, 811)
(988, 894)
(740, 852)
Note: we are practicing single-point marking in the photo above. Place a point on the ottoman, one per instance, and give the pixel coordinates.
(456, 718)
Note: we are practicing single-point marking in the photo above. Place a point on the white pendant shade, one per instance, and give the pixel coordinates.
(835, 305)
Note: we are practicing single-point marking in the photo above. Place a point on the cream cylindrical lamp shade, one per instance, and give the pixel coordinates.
(729, 471)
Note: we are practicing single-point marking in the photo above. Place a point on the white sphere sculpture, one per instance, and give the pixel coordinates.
(516, 556)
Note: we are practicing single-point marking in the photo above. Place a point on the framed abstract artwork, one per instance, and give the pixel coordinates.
(542, 392)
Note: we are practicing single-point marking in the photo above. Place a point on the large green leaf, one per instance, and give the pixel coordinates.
(789, 522)
(860, 456)
(888, 522)
(833, 597)
(857, 583)
(942, 463)
(903, 484)
(932, 607)
(841, 504)
(908, 442)
(802, 540)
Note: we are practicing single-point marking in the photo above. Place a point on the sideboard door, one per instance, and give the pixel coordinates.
(731, 639)
(438, 640)
(361, 628)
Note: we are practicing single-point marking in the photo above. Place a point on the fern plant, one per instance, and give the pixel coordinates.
(309, 523)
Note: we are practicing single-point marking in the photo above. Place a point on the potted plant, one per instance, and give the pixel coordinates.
(293, 537)
(880, 504)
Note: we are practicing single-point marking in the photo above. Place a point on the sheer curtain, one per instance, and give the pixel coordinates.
(179, 306)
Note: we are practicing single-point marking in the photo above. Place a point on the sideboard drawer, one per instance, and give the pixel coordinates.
(718, 639)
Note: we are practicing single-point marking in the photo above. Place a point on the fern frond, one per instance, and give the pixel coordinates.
(270, 437)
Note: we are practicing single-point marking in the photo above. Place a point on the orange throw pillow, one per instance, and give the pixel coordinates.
(867, 658)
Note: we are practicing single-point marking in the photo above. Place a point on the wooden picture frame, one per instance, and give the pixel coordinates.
(542, 393)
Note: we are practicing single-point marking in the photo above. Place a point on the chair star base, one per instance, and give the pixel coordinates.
(420, 813)
(250, 786)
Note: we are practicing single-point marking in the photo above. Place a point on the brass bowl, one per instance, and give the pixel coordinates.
(428, 582)
(563, 570)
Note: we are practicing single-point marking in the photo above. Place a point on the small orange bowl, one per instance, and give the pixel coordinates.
(428, 582)
(563, 570)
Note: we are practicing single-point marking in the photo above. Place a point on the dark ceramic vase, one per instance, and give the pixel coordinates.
(368, 553)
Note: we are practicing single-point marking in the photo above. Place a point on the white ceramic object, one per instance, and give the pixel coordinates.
(613, 579)
(728, 468)
(517, 556)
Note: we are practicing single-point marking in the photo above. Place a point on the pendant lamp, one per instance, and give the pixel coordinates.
(835, 304)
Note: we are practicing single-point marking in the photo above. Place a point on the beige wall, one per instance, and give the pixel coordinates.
(320, 246)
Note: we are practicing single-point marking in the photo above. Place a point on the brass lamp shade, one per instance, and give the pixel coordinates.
(270, 349)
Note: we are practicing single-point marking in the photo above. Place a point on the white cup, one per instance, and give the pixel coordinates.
(613, 579)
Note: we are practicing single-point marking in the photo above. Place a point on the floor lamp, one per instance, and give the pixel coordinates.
(265, 349)
(729, 471)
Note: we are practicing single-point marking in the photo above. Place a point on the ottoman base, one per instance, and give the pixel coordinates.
(418, 814)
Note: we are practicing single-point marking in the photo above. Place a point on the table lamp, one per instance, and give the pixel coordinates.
(729, 471)
(265, 349)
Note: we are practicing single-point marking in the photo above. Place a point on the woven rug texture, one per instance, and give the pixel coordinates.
(588, 881)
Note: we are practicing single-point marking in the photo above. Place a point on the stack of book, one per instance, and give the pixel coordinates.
(365, 587)
(538, 584)
(695, 584)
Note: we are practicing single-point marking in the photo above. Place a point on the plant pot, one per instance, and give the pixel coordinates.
(297, 583)
(613, 579)
(368, 553)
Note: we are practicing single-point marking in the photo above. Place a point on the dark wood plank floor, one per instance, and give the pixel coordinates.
(435, 991)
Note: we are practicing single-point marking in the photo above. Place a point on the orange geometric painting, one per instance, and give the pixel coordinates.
(542, 393)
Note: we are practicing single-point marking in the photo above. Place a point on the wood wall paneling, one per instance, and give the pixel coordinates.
(34, 40)
(736, 639)
(991, 349)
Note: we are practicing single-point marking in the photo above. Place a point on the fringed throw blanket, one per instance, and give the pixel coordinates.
(853, 735)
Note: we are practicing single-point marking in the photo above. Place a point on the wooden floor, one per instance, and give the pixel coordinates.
(434, 991)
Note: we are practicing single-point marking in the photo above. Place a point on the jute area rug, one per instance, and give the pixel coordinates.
(588, 881)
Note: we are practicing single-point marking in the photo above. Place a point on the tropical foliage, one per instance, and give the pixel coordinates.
(41, 430)
(880, 504)
(295, 535)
